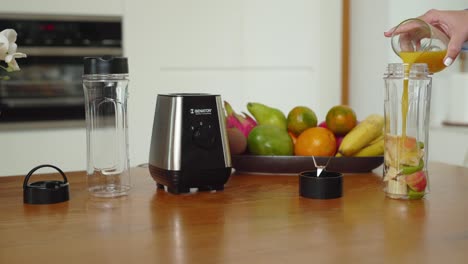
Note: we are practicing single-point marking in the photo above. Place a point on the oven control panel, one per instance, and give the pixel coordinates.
(66, 31)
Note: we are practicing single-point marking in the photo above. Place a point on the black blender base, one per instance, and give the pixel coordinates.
(173, 190)
(180, 189)
(211, 188)
(179, 182)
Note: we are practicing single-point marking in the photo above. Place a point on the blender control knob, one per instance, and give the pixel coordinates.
(204, 136)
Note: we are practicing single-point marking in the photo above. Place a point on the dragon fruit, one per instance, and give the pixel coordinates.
(243, 122)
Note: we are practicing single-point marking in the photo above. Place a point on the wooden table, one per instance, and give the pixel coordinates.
(256, 219)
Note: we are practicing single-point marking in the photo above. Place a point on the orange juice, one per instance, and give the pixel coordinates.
(404, 108)
(434, 61)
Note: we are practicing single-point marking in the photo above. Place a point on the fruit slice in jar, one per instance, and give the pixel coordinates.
(402, 151)
(412, 169)
(417, 181)
(413, 195)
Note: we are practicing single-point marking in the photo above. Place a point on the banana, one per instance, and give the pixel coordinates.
(376, 139)
(361, 135)
(376, 149)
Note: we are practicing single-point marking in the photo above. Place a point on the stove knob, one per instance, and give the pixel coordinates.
(204, 136)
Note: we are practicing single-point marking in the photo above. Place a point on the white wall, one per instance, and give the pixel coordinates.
(281, 53)
(368, 55)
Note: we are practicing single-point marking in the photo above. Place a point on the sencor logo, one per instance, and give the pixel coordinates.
(206, 111)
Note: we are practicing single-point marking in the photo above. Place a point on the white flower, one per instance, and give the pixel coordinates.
(8, 49)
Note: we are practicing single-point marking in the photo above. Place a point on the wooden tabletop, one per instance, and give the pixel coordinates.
(256, 219)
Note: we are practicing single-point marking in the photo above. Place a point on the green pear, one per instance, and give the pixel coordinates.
(270, 140)
(265, 115)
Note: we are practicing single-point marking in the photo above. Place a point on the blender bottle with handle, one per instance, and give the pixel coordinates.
(105, 83)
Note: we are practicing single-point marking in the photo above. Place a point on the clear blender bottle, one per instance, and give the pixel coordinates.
(407, 110)
(105, 83)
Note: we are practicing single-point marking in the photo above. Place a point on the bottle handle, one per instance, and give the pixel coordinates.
(25, 183)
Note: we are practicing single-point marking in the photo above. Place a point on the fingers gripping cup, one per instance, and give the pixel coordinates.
(416, 41)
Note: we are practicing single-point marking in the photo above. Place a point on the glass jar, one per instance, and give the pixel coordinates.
(406, 106)
(416, 41)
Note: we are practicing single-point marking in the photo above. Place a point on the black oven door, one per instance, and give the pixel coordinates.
(47, 87)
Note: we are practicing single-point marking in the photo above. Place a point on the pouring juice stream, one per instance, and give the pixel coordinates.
(434, 61)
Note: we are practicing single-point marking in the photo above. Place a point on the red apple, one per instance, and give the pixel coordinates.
(338, 141)
(323, 124)
(410, 144)
(417, 181)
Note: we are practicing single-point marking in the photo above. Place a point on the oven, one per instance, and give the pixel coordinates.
(49, 85)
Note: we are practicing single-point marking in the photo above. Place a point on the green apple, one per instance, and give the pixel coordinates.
(406, 170)
(414, 195)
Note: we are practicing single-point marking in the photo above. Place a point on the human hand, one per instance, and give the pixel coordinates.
(451, 23)
(411, 35)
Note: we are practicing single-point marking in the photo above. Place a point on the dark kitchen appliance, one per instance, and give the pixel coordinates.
(189, 145)
(49, 86)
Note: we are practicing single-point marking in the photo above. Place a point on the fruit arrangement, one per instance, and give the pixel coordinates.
(268, 131)
(404, 173)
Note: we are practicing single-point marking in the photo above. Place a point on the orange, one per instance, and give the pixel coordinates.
(315, 141)
(341, 119)
(300, 118)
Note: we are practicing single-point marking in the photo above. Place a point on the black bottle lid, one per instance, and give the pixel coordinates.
(45, 192)
(105, 65)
